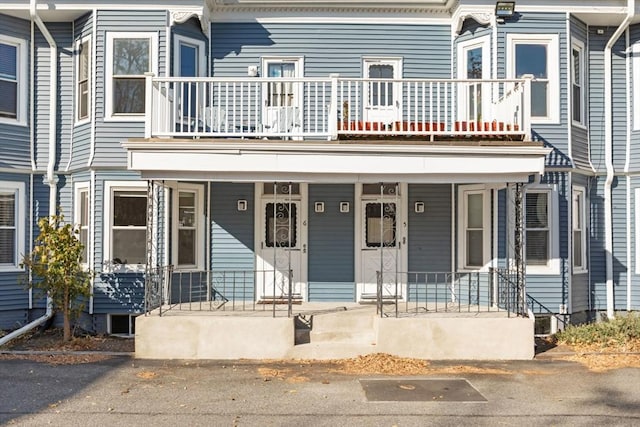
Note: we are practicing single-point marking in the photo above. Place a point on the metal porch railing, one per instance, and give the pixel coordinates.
(336, 107)
(168, 289)
(409, 293)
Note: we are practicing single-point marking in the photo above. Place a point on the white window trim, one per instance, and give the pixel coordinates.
(579, 46)
(109, 188)
(576, 189)
(108, 84)
(553, 265)
(200, 223)
(551, 40)
(22, 77)
(397, 63)
(18, 190)
(79, 121)
(298, 69)
(637, 229)
(463, 191)
(78, 189)
(483, 43)
(131, 320)
(636, 85)
(202, 62)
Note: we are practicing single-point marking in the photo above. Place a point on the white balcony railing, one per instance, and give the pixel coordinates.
(336, 107)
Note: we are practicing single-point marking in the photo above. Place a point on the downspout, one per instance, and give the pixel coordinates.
(608, 145)
(50, 178)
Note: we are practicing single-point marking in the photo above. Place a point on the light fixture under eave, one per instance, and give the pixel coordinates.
(505, 9)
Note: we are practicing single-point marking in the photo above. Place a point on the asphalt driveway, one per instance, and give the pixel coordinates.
(121, 392)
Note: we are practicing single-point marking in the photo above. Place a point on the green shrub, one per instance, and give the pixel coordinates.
(617, 331)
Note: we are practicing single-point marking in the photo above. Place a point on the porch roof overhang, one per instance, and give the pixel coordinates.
(336, 161)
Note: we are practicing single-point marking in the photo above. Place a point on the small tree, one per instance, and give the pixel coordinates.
(56, 267)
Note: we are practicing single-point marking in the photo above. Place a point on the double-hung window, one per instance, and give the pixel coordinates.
(82, 218)
(126, 213)
(12, 219)
(13, 78)
(577, 82)
(579, 235)
(187, 226)
(541, 228)
(129, 57)
(537, 55)
(474, 222)
(83, 91)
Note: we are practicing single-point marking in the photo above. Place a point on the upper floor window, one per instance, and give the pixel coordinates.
(83, 67)
(130, 56)
(636, 86)
(473, 64)
(13, 86)
(12, 220)
(537, 55)
(577, 81)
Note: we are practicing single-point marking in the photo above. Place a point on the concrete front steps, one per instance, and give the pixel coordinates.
(336, 335)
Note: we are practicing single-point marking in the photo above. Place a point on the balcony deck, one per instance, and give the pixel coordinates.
(335, 108)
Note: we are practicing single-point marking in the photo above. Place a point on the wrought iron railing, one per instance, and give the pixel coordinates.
(415, 292)
(537, 307)
(168, 289)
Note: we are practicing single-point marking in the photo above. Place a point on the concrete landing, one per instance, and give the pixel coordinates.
(335, 332)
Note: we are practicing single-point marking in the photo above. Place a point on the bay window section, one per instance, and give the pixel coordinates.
(578, 229)
(537, 228)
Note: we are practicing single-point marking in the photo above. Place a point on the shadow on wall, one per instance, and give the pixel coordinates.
(123, 292)
(556, 158)
(231, 39)
(598, 253)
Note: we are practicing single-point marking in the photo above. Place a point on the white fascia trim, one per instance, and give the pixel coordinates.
(108, 84)
(553, 265)
(22, 72)
(19, 192)
(553, 69)
(109, 188)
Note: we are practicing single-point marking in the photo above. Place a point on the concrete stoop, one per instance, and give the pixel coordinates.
(337, 335)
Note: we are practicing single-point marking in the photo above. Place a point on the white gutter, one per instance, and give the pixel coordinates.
(53, 90)
(608, 144)
(50, 179)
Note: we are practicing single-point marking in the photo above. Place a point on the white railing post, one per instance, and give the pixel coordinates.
(148, 105)
(333, 108)
(526, 107)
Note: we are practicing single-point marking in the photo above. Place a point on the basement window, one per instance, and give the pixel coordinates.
(122, 325)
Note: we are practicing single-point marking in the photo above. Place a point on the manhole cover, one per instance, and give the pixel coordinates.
(398, 390)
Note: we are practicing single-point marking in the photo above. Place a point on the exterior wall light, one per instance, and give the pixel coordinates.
(504, 9)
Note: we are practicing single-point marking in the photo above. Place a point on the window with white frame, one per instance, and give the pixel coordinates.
(129, 57)
(577, 82)
(474, 222)
(578, 228)
(636, 85)
(473, 63)
(189, 61)
(537, 55)
(12, 223)
(81, 218)
(83, 73)
(188, 226)
(13, 80)
(541, 229)
(126, 221)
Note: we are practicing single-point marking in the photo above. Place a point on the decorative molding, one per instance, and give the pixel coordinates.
(182, 16)
(482, 18)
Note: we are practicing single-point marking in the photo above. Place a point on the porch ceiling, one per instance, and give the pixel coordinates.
(335, 161)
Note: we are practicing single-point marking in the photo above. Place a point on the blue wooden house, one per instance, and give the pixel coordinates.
(239, 154)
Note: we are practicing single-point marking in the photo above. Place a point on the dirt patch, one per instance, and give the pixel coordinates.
(50, 340)
(382, 363)
(602, 357)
